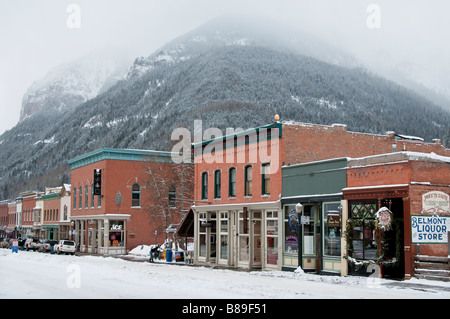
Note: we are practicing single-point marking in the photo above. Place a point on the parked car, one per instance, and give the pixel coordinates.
(65, 246)
(47, 245)
(4, 243)
(32, 243)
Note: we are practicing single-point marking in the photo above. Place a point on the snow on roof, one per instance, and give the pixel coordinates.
(396, 158)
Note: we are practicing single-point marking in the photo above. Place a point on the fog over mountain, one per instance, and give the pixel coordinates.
(234, 71)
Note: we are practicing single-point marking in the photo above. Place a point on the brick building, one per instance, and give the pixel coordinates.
(28, 206)
(238, 216)
(414, 187)
(141, 194)
(3, 218)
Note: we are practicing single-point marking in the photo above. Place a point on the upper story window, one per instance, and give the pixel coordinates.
(136, 195)
(265, 179)
(205, 185)
(248, 180)
(86, 197)
(81, 198)
(217, 184)
(232, 182)
(74, 198)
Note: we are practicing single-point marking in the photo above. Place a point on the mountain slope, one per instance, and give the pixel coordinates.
(225, 79)
(73, 83)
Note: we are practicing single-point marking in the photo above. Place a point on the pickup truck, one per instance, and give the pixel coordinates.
(32, 243)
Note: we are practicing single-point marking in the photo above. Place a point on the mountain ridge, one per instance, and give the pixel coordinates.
(229, 82)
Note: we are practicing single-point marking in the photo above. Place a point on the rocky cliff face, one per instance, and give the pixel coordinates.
(72, 84)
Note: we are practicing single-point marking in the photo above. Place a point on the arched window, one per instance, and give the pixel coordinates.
(86, 197)
(248, 180)
(81, 198)
(265, 179)
(217, 184)
(136, 195)
(205, 185)
(232, 182)
(74, 198)
(172, 196)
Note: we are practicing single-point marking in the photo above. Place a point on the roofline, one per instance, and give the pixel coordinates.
(118, 154)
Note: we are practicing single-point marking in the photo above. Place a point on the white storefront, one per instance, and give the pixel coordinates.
(101, 234)
(240, 236)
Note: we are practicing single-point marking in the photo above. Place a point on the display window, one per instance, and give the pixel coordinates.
(290, 230)
(362, 233)
(272, 237)
(332, 229)
(116, 233)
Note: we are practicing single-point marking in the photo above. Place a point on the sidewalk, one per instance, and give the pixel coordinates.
(414, 284)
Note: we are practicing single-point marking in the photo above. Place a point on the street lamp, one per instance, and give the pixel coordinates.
(298, 209)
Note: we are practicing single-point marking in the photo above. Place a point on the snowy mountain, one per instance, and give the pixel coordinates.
(73, 83)
(228, 73)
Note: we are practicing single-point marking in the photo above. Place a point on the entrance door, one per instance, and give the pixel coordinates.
(311, 237)
(257, 253)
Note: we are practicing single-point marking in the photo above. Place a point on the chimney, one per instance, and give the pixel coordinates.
(437, 141)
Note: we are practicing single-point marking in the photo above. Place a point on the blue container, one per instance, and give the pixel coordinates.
(168, 255)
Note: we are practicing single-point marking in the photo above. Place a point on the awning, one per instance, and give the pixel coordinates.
(186, 228)
(50, 226)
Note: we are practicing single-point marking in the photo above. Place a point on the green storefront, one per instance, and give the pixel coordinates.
(316, 224)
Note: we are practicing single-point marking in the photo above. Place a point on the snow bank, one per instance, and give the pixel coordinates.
(142, 250)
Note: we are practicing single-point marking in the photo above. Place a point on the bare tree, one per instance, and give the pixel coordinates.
(171, 191)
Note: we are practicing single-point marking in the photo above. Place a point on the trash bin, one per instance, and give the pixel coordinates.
(168, 255)
(179, 256)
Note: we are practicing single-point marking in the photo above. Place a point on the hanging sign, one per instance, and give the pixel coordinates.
(430, 229)
(97, 181)
(384, 218)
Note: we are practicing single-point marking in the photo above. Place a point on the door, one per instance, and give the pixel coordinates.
(257, 247)
(311, 237)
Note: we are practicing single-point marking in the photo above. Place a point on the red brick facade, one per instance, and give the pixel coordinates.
(405, 177)
(121, 170)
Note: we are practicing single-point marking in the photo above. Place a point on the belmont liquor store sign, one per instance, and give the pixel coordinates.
(432, 229)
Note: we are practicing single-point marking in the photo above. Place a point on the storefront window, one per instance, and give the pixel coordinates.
(116, 233)
(202, 235)
(362, 234)
(244, 239)
(224, 235)
(331, 229)
(290, 230)
(272, 238)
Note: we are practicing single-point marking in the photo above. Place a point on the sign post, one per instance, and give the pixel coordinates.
(15, 246)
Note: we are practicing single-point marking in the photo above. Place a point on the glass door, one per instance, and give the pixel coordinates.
(257, 247)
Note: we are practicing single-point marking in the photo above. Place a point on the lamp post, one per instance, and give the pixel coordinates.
(298, 209)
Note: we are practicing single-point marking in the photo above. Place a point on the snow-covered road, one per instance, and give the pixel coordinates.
(39, 275)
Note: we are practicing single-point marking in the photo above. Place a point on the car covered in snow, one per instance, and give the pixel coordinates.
(64, 246)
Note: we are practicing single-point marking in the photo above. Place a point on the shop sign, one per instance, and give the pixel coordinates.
(430, 229)
(384, 218)
(305, 220)
(333, 220)
(116, 227)
(435, 202)
(293, 221)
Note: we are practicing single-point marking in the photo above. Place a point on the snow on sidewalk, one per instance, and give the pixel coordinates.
(40, 275)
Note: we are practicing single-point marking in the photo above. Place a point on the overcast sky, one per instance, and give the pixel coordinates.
(36, 35)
